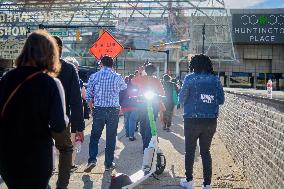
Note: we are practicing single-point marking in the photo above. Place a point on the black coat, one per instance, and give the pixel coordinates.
(74, 107)
(25, 128)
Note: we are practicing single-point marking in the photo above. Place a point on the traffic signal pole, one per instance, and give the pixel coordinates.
(166, 51)
(203, 38)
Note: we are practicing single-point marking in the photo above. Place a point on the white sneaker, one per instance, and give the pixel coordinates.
(206, 187)
(185, 184)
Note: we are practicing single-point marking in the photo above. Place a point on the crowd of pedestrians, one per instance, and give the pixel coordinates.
(43, 101)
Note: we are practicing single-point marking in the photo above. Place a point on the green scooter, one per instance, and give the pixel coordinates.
(154, 162)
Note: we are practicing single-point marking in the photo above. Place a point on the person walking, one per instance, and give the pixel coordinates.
(75, 63)
(171, 97)
(146, 81)
(32, 109)
(103, 98)
(130, 108)
(74, 109)
(201, 94)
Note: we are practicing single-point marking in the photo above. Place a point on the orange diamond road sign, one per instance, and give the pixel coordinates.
(106, 45)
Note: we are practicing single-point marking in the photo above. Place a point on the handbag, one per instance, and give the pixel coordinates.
(16, 89)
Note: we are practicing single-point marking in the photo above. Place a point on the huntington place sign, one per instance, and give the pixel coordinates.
(258, 28)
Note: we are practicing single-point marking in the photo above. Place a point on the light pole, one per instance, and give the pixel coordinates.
(203, 37)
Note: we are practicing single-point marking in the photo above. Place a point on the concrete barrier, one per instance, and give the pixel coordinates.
(252, 129)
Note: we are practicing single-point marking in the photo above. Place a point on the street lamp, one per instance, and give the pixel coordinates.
(203, 37)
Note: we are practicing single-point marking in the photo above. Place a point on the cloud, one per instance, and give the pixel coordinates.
(239, 4)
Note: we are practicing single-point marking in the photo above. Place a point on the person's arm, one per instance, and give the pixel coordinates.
(76, 105)
(83, 93)
(122, 96)
(62, 97)
(220, 93)
(90, 91)
(184, 90)
(121, 83)
(160, 88)
(57, 120)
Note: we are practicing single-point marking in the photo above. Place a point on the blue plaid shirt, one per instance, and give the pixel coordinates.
(104, 87)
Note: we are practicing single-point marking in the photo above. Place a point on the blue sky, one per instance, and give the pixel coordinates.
(271, 4)
(232, 4)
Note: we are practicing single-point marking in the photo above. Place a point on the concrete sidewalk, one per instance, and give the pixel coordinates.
(278, 95)
(128, 158)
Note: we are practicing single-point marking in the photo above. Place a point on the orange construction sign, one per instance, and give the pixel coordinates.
(106, 45)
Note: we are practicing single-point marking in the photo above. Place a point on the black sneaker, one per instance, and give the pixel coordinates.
(110, 167)
(89, 167)
(132, 138)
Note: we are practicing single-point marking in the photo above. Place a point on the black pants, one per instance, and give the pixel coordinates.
(202, 129)
(64, 145)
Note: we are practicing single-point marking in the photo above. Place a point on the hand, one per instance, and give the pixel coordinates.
(80, 135)
(91, 105)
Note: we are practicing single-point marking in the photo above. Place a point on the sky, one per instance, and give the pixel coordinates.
(261, 4)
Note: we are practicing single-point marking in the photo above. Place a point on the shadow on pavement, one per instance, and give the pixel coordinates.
(88, 184)
(165, 180)
(106, 180)
(130, 158)
(83, 156)
(176, 136)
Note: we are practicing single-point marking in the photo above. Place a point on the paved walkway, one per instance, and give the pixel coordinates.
(128, 157)
(263, 93)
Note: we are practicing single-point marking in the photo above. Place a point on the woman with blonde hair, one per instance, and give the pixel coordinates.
(31, 107)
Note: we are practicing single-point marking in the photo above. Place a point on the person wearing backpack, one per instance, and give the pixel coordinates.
(170, 102)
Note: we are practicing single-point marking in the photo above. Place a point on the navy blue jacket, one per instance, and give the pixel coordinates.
(201, 95)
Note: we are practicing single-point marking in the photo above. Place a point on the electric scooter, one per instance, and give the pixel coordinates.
(154, 162)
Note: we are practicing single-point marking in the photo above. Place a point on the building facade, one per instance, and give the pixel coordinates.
(258, 37)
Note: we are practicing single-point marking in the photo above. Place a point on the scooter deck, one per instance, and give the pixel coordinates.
(137, 178)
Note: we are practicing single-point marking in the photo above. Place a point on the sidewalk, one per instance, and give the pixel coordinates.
(263, 93)
(128, 158)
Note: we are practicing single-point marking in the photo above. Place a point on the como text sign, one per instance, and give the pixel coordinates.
(258, 28)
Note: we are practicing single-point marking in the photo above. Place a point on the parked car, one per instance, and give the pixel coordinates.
(85, 72)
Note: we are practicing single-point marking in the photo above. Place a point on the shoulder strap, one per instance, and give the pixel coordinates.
(16, 89)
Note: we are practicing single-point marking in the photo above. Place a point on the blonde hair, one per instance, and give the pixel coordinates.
(41, 51)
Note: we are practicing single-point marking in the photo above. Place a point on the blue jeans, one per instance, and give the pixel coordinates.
(130, 120)
(101, 117)
(145, 129)
(126, 122)
(133, 117)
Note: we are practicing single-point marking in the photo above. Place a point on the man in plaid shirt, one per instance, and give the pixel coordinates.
(103, 98)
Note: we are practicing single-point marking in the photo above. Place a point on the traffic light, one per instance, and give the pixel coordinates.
(78, 35)
(101, 31)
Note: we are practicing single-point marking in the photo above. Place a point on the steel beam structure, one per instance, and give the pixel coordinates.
(182, 18)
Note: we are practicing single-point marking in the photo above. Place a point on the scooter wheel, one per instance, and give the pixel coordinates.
(161, 163)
